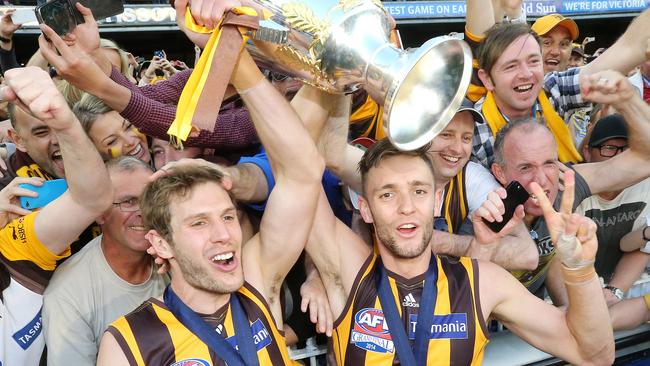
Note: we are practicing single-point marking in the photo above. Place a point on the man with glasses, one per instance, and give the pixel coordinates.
(616, 212)
(108, 278)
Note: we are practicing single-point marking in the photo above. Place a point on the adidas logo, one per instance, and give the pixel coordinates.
(409, 301)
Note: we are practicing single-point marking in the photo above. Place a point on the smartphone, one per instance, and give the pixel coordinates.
(48, 192)
(101, 9)
(62, 15)
(22, 15)
(159, 53)
(516, 195)
(58, 15)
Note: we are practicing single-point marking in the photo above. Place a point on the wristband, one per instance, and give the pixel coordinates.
(615, 291)
(579, 275)
(647, 301)
(4, 40)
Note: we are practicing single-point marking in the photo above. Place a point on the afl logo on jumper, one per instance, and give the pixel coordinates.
(191, 362)
(370, 331)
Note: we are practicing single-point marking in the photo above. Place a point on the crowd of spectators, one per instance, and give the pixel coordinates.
(296, 216)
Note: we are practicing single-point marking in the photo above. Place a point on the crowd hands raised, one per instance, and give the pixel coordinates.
(280, 217)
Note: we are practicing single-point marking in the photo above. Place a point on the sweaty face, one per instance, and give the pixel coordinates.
(556, 49)
(115, 136)
(123, 223)
(531, 156)
(206, 239)
(400, 202)
(164, 153)
(37, 140)
(451, 149)
(517, 76)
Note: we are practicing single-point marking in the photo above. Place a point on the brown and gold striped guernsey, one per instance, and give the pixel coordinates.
(458, 334)
(151, 335)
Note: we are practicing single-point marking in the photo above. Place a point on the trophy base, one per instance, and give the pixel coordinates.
(430, 85)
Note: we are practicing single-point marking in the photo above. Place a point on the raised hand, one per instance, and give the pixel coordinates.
(492, 210)
(606, 87)
(7, 25)
(33, 90)
(85, 35)
(573, 235)
(208, 13)
(71, 61)
(226, 182)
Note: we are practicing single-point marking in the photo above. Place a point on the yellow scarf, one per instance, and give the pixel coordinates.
(567, 151)
(370, 113)
(455, 204)
(182, 126)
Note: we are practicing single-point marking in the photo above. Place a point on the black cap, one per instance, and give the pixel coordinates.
(468, 106)
(610, 127)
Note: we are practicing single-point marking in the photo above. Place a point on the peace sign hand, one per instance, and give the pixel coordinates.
(573, 235)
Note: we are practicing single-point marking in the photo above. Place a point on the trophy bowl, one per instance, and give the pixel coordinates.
(343, 45)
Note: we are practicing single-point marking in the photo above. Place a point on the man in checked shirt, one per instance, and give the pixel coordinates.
(510, 82)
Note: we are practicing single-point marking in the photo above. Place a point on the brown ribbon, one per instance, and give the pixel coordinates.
(223, 64)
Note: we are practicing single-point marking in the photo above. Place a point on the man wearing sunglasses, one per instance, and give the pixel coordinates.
(616, 212)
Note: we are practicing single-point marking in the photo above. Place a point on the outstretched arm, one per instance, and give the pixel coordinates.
(89, 191)
(297, 169)
(581, 336)
(627, 52)
(632, 165)
(84, 65)
(630, 313)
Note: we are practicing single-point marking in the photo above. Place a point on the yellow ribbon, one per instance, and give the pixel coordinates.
(567, 151)
(182, 126)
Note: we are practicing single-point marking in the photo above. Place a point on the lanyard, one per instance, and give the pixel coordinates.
(247, 355)
(405, 353)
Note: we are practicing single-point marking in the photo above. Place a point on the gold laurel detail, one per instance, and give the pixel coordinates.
(302, 18)
(293, 59)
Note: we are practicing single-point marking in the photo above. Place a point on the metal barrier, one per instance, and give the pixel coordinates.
(310, 352)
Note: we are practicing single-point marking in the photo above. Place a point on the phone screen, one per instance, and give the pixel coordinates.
(516, 195)
(57, 14)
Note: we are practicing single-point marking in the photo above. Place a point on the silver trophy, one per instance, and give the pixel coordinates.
(342, 45)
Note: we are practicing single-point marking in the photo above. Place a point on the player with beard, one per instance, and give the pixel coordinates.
(400, 302)
(463, 185)
(218, 282)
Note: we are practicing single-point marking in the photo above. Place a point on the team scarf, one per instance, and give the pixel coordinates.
(369, 113)
(184, 122)
(455, 203)
(567, 151)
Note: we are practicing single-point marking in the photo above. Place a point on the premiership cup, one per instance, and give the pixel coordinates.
(343, 45)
